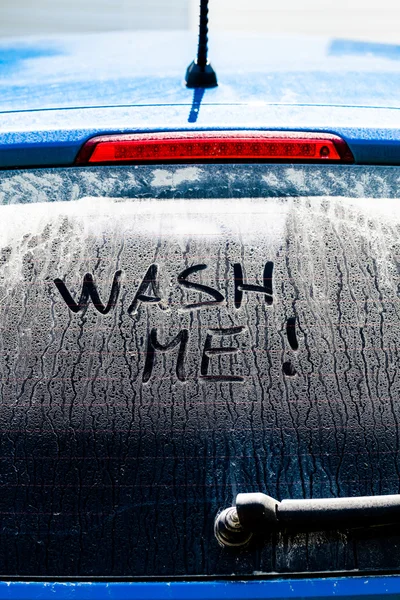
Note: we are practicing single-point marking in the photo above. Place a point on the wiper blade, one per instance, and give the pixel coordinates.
(255, 513)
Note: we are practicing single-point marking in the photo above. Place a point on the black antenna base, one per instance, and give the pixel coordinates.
(200, 77)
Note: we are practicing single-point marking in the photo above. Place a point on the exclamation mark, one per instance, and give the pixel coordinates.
(287, 367)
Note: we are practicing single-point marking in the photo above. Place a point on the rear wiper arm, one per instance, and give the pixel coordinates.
(256, 513)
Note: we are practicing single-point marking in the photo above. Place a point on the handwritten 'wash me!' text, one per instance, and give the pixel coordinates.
(148, 293)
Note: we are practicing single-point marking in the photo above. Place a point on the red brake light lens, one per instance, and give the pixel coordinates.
(207, 146)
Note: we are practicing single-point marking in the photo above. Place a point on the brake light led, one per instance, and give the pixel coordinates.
(207, 146)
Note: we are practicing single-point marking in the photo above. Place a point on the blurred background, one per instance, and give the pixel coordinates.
(361, 19)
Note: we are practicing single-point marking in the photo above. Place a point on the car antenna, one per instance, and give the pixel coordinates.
(200, 73)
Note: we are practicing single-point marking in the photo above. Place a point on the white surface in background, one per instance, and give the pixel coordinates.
(30, 17)
(362, 19)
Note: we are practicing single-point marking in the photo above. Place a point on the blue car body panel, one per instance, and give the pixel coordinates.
(56, 93)
(279, 589)
(53, 138)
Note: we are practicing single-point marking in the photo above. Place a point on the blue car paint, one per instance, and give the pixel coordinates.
(345, 588)
(356, 47)
(57, 93)
(11, 57)
(49, 138)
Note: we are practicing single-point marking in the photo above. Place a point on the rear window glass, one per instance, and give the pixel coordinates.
(171, 337)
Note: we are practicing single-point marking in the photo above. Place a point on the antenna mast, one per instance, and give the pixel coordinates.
(200, 73)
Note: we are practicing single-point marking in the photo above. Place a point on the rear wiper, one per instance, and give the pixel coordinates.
(256, 513)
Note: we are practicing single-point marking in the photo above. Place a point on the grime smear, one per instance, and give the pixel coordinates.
(254, 341)
(207, 270)
(164, 177)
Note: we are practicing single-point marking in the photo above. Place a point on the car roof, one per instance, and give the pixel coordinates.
(147, 68)
(56, 92)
